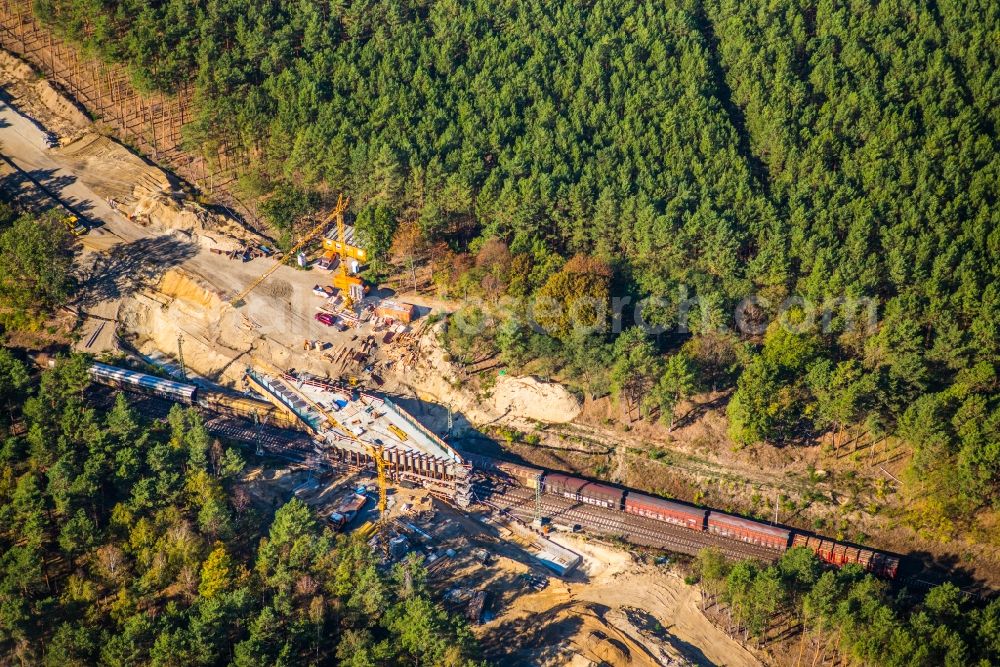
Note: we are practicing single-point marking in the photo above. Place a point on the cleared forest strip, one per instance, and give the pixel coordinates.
(152, 124)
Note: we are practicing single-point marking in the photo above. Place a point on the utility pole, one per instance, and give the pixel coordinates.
(180, 356)
(775, 506)
(257, 434)
(450, 421)
(538, 501)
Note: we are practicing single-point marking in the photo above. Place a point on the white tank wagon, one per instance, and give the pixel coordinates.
(122, 378)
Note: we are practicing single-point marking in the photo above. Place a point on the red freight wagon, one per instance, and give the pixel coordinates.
(746, 530)
(884, 565)
(665, 510)
(582, 490)
(524, 475)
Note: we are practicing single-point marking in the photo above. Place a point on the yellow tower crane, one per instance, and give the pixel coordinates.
(337, 214)
(350, 286)
(377, 452)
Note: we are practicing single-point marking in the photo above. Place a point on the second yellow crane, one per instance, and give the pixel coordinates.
(376, 452)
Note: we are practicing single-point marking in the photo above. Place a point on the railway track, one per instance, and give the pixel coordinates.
(635, 529)
(281, 442)
(286, 443)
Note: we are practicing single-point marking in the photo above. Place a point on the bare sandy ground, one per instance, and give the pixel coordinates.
(615, 612)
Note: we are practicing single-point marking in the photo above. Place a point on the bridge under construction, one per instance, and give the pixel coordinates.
(345, 427)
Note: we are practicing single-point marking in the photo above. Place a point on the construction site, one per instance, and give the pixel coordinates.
(345, 395)
(340, 388)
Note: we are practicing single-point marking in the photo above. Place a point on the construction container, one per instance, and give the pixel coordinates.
(583, 490)
(398, 546)
(745, 530)
(397, 310)
(560, 560)
(348, 249)
(327, 261)
(665, 510)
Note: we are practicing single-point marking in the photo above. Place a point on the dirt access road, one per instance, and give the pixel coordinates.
(121, 258)
(22, 142)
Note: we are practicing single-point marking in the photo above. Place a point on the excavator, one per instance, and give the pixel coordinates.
(336, 214)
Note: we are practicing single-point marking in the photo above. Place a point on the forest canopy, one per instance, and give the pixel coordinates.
(807, 150)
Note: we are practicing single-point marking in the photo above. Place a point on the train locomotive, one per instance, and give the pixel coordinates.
(693, 518)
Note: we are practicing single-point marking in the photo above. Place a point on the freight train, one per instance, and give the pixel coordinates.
(226, 403)
(122, 378)
(693, 518)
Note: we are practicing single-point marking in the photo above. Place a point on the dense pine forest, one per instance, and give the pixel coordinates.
(850, 614)
(834, 154)
(126, 541)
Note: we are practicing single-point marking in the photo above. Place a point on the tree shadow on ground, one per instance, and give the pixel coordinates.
(699, 410)
(922, 570)
(41, 189)
(542, 635)
(130, 267)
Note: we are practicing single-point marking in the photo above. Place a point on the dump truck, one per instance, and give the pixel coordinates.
(346, 511)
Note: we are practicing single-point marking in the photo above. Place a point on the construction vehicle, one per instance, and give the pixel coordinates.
(346, 511)
(398, 432)
(74, 225)
(337, 214)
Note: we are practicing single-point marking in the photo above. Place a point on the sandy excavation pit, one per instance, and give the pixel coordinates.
(147, 195)
(213, 331)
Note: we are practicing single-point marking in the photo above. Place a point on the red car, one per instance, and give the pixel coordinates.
(326, 318)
